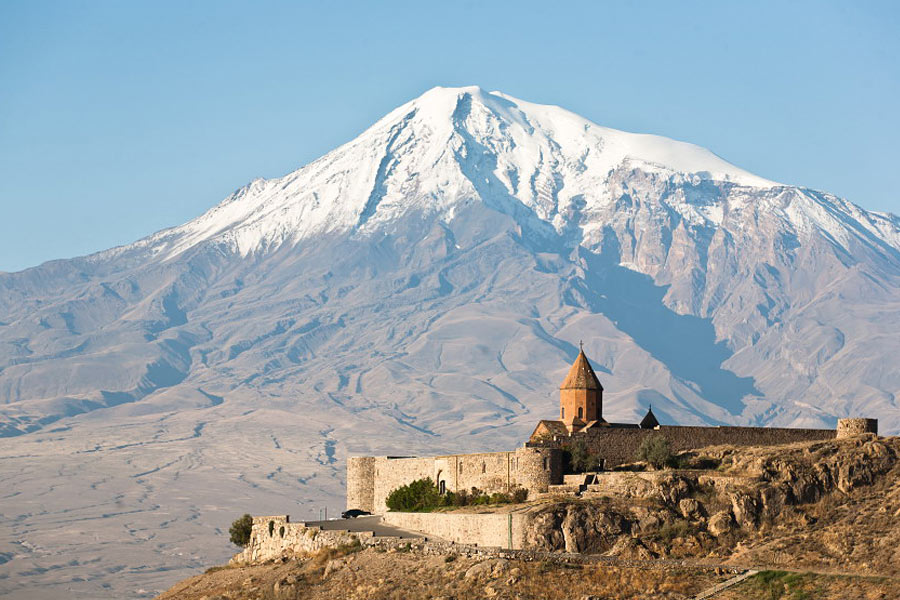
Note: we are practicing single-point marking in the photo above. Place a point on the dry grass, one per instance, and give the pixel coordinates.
(371, 575)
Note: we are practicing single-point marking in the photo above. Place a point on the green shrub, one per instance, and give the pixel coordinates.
(240, 531)
(420, 495)
(656, 451)
(423, 496)
(781, 584)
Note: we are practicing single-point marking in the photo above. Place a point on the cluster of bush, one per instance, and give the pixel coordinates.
(655, 451)
(422, 495)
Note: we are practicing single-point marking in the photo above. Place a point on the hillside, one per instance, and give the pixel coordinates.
(820, 519)
(420, 289)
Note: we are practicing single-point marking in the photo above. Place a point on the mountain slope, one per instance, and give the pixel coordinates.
(423, 288)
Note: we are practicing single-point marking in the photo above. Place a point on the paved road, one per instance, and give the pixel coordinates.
(358, 524)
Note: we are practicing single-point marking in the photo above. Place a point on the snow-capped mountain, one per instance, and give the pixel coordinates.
(447, 147)
(422, 288)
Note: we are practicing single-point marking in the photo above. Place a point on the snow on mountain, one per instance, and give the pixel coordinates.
(421, 288)
(426, 155)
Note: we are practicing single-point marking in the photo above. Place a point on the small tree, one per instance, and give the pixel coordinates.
(240, 531)
(580, 457)
(656, 451)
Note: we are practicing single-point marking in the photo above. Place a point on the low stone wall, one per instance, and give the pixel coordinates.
(275, 536)
(480, 529)
(371, 479)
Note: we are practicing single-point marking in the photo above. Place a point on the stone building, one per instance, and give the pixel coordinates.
(540, 462)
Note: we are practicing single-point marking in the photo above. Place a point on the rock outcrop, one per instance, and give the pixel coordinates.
(690, 513)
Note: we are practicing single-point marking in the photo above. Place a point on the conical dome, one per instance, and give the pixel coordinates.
(649, 421)
(581, 376)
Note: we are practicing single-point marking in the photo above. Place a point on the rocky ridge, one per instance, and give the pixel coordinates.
(820, 505)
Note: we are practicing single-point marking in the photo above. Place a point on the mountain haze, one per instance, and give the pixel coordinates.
(421, 288)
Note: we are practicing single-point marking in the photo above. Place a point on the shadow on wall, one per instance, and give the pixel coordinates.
(684, 343)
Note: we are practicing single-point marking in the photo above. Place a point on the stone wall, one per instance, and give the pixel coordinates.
(620, 445)
(391, 473)
(493, 529)
(371, 479)
(361, 483)
(272, 536)
(851, 427)
(538, 468)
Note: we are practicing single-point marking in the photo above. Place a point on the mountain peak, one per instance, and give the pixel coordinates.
(449, 145)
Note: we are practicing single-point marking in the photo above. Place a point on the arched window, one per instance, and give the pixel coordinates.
(483, 468)
(460, 466)
(442, 487)
(580, 412)
(562, 412)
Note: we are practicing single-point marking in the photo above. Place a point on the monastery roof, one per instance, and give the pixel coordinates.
(581, 376)
(554, 427)
(649, 421)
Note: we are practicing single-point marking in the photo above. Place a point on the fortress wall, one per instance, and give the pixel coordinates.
(538, 468)
(495, 529)
(371, 479)
(361, 483)
(617, 446)
(489, 472)
(851, 427)
(486, 471)
(391, 473)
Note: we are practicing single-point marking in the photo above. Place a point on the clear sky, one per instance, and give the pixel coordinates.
(118, 119)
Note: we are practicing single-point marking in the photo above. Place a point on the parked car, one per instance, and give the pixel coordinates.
(353, 513)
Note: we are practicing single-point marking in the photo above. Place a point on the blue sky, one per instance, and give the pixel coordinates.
(118, 119)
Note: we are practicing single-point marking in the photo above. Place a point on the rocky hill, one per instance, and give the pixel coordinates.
(821, 505)
(822, 518)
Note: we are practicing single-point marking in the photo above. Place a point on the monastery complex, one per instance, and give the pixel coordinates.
(538, 466)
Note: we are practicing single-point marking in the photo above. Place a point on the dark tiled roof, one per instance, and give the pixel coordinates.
(649, 421)
(581, 376)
